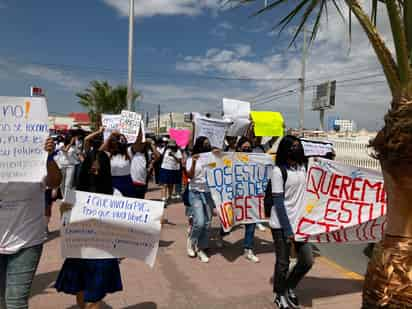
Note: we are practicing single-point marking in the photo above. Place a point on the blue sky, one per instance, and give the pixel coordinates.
(180, 45)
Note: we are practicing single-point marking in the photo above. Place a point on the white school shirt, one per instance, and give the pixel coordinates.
(169, 163)
(198, 182)
(294, 194)
(22, 220)
(119, 165)
(138, 168)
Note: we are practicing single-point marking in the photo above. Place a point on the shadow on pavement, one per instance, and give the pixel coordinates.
(52, 235)
(42, 282)
(145, 305)
(316, 288)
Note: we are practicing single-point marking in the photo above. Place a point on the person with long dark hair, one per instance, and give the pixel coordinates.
(288, 188)
(201, 202)
(91, 279)
(170, 169)
(120, 164)
(245, 145)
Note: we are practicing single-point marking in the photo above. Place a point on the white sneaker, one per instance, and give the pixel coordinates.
(202, 256)
(249, 255)
(189, 249)
(261, 227)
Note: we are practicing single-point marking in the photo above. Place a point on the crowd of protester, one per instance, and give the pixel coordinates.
(88, 162)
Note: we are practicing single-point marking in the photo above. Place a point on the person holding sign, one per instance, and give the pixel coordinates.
(288, 188)
(120, 164)
(91, 279)
(170, 169)
(200, 200)
(141, 155)
(245, 145)
(21, 247)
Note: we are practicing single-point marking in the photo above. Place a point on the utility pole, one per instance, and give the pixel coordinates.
(131, 36)
(302, 85)
(158, 119)
(171, 120)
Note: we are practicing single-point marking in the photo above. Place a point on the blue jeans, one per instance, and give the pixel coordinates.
(201, 205)
(249, 235)
(16, 277)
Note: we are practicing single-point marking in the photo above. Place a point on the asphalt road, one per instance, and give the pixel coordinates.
(348, 256)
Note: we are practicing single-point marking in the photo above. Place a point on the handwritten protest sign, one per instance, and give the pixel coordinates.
(23, 131)
(213, 129)
(268, 123)
(111, 123)
(130, 124)
(316, 149)
(237, 182)
(182, 137)
(238, 113)
(105, 226)
(343, 204)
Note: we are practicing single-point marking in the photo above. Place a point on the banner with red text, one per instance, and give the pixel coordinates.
(342, 204)
(237, 182)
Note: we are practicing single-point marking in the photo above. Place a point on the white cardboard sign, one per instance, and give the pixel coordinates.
(105, 226)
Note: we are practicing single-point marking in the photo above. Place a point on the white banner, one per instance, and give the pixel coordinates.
(238, 112)
(110, 123)
(23, 131)
(213, 129)
(130, 125)
(316, 149)
(105, 226)
(342, 204)
(237, 182)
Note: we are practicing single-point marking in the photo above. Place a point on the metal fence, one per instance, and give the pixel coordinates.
(354, 153)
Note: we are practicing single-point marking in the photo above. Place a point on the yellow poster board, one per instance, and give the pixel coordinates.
(268, 123)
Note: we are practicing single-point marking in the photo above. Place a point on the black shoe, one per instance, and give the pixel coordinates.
(292, 299)
(281, 302)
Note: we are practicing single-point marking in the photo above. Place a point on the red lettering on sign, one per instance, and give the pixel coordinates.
(346, 184)
(247, 206)
(355, 188)
(347, 211)
(240, 215)
(330, 210)
(335, 186)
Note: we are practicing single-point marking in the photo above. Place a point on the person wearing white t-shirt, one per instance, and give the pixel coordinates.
(288, 188)
(201, 202)
(170, 169)
(23, 232)
(141, 154)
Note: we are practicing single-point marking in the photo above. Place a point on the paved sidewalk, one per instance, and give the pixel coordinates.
(176, 281)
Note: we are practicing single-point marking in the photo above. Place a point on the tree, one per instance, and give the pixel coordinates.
(388, 281)
(102, 98)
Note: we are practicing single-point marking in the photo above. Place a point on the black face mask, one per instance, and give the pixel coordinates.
(207, 148)
(247, 150)
(296, 154)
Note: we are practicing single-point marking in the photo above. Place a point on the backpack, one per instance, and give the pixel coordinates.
(268, 199)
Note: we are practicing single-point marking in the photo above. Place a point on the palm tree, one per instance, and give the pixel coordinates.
(388, 281)
(102, 98)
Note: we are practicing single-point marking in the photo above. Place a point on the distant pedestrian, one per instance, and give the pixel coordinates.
(170, 169)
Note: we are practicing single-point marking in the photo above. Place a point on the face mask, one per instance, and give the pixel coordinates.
(207, 148)
(247, 150)
(296, 154)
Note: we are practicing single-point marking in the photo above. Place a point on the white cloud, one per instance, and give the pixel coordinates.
(331, 57)
(149, 8)
(52, 75)
(221, 29)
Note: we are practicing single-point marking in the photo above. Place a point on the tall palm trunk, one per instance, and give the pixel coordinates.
(388, 282)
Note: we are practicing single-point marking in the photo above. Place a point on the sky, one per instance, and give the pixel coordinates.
(189, 54)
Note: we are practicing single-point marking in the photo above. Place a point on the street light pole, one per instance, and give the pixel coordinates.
(130, 65)
(302, 86)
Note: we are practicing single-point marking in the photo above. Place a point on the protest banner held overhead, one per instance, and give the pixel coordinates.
(213, 129)
(130, 124)
(268, 123)
(105, 226)
(110, 123)
(181, 136)
(237, 182)
(238, 112)
(23, 131)
(342, 204)
(316, 148)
